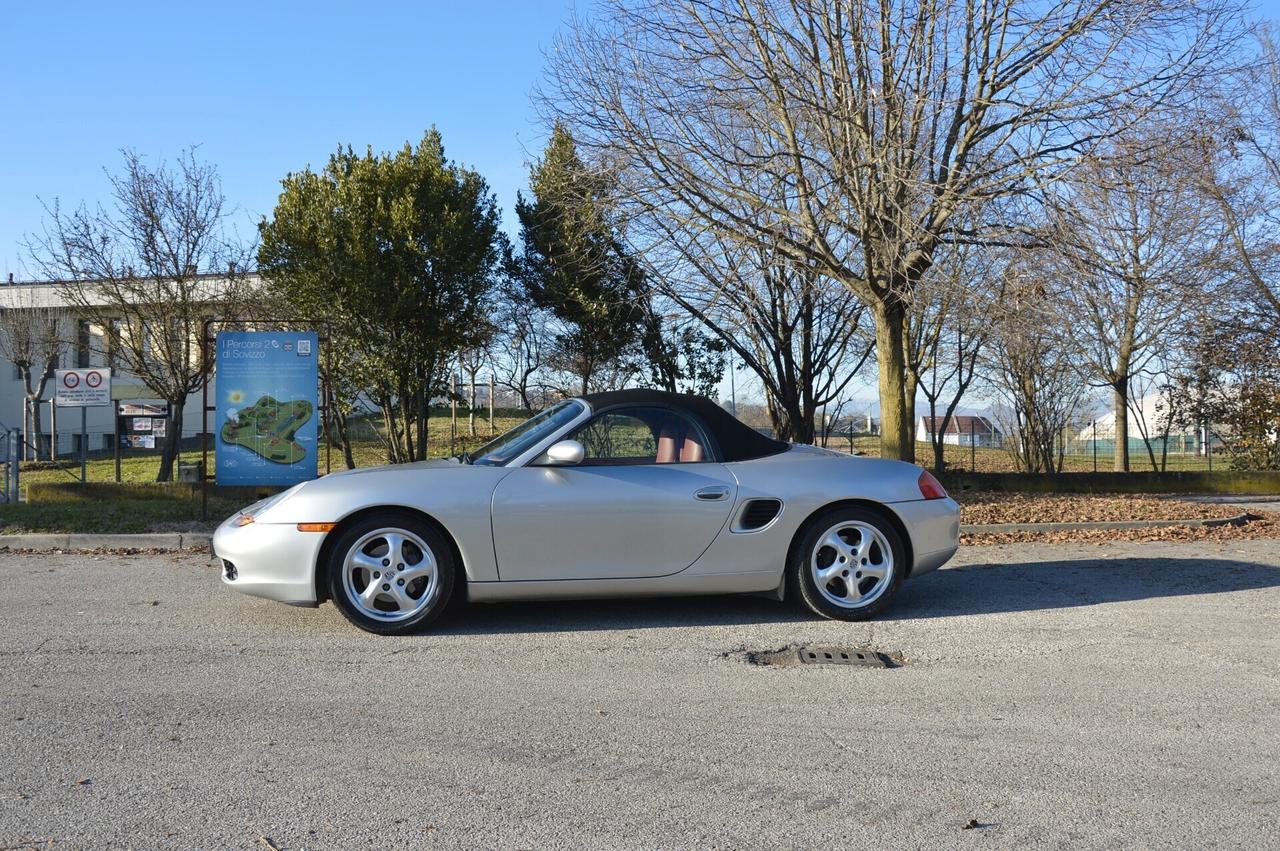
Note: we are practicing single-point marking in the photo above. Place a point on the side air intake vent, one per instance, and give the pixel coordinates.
(759, 513)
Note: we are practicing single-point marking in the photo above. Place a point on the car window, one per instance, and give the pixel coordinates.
(513, 443)
(641, 436)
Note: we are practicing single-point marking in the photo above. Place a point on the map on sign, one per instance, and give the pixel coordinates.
(267, 383)
(267, 428)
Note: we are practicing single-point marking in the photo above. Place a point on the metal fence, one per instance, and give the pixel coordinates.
(10, 455)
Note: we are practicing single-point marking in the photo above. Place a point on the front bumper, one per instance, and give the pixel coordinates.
(271, 560)
(934, 527)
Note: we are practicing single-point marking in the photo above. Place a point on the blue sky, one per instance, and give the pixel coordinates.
(263, 88)
(266, 88)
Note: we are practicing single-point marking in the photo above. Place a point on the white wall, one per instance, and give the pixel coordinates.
(99, 420)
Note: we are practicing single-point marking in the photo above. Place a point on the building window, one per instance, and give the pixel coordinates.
(114, 340)
(84, 344)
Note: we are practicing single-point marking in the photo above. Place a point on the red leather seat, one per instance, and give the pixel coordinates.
(691, 449)
(678, 443)
(669, 441)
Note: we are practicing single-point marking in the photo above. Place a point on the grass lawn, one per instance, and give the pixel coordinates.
(119, 516)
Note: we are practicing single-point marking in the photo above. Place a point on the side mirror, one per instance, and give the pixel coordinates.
(566, 453)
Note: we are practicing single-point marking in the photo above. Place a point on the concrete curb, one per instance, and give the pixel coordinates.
(997, 528)
(160, 541)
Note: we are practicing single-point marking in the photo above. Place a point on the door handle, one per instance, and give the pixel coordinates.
(712, 494)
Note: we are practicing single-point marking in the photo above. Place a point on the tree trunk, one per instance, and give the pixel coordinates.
(172, 441)
(896, 410)
(471, 403)
(35, 439)
(344, 436)
(936, 437)
(1120, 405)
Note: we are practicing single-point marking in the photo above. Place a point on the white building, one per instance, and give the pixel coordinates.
(83, 345)
(960, 430)
(1147, 420)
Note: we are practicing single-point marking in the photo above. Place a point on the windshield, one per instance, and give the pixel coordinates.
(514, 443)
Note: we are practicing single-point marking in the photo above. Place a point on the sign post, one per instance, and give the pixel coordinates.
(81, 388)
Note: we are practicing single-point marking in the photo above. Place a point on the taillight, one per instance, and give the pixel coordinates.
(931, 488)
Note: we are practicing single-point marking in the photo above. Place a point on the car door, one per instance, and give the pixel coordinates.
(624, 512)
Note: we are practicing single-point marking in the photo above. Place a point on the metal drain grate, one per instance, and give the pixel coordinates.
(845, 656)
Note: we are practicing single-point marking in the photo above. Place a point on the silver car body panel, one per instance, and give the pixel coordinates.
(534, 532)
(557, 523)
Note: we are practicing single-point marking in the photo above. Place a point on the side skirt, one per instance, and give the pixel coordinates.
(662, 586)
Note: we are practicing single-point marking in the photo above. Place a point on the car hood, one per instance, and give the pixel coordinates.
(434, 463)
(347, 485)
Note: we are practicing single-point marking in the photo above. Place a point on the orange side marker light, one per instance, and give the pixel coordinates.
(315, 527)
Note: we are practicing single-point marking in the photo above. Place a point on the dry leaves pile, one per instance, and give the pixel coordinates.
(989, 507)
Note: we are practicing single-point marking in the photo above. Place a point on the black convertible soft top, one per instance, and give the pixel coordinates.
(736, 441)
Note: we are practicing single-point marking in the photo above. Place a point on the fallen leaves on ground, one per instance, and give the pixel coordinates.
(1257, 527)
(991, 507)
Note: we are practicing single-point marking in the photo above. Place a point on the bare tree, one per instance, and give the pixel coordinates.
(471, 360)
(949, 329)
(1134, 257)
(149, 270)
(798, 331)
(1037, 375)
(1240, 174)
(881, 121)
(521, 348)
(31, 339)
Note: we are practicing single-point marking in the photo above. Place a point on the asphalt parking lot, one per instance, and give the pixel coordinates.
(1054, 696)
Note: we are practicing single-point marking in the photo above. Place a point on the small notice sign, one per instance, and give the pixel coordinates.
(82, 388)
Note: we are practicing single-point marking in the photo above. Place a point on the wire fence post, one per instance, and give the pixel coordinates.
(84, 444)
(973, 449)
(1095, 446)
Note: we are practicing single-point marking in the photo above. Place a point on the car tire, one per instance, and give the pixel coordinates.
(391, 573)
(860, 555)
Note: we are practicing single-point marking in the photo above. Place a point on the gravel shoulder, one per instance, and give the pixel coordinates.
(1059, 695)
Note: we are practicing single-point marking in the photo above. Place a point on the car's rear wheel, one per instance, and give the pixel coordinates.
(391, 573)
(848, 564)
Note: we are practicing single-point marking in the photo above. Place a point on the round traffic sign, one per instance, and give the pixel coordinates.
(93, 379)
(71, 380)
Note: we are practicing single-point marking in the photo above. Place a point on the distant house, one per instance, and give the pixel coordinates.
(960, 431)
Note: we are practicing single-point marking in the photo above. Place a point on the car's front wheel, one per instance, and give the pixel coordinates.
(391, 573)
(849, 564)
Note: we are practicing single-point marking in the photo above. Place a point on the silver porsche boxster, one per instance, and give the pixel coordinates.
(628, 493)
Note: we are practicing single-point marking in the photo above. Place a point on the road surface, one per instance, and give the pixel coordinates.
(1054, 696)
